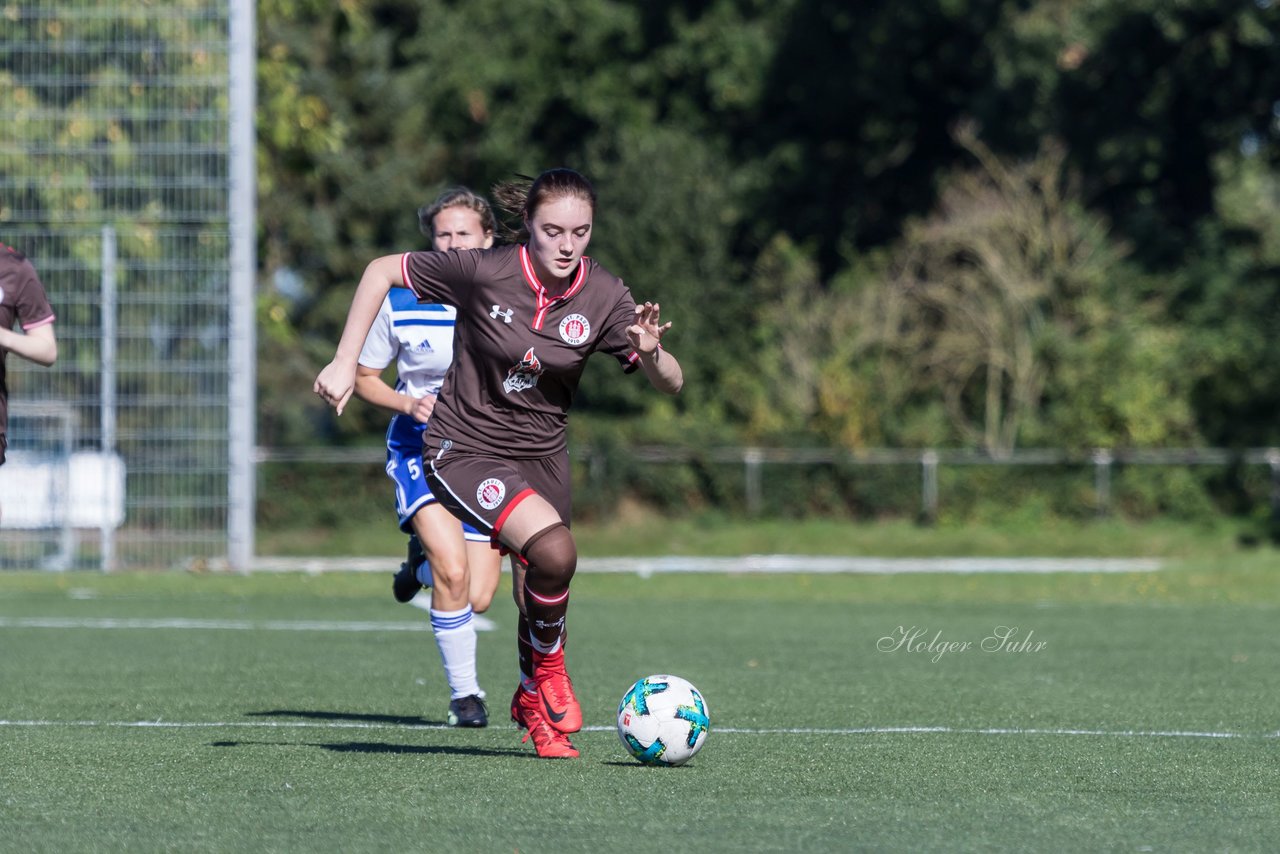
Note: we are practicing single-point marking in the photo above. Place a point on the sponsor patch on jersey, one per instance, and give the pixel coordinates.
(524, 374)
(575, 329)
(490, 493)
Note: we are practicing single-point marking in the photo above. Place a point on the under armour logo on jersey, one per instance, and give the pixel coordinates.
(505, 315)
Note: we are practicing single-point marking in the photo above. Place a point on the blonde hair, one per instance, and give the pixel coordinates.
(456, 197)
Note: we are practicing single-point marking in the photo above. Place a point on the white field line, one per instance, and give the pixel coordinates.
(771, 564)
(422, 599)
(482, 624)
(215, 625)
(801, 731)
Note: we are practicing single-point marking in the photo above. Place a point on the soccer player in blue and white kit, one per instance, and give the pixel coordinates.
(418, 338)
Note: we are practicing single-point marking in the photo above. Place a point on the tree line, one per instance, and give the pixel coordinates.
(988, 224)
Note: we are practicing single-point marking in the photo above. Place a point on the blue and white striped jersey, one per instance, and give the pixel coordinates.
(418, 337)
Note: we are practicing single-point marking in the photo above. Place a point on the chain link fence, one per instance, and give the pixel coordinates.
(322, 487)
(116, 181)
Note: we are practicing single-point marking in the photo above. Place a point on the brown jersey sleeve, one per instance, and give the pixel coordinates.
(614, 340)
(31, 302)
(439, 277)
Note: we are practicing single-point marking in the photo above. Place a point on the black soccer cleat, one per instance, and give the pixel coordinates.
(406, 585)
(468, 711)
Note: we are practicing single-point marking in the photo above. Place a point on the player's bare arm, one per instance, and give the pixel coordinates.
(337, 380)
(38, 344)
(662, 368)
(372, 388)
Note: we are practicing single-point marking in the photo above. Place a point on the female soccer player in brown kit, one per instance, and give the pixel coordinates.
(529, 315)
(22, 298)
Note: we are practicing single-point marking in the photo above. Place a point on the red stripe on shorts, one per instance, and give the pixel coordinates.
(511, 505)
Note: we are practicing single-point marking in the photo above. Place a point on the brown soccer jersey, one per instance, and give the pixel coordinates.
(518, 353)
(22, 298)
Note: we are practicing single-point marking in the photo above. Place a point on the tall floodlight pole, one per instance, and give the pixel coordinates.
(242, 378)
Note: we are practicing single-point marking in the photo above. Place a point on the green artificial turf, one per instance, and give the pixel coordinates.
(304, 713)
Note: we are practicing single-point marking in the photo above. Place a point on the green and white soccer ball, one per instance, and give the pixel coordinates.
(663, 720)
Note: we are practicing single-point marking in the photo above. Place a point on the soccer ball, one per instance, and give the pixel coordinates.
(663, 720)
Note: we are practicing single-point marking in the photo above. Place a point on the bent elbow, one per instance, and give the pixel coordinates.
(48, 356)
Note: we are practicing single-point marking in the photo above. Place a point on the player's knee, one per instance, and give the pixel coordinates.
(552, 555)
(481, 600)
(452, 576)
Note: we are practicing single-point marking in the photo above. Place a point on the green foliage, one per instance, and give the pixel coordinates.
(972, 223)
(310, 495)
(1150, 97)
(1230, 297)
(1178, 493)
(852, 125)
(667, 204)
(1008, 305)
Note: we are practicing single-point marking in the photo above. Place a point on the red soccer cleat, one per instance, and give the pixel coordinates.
(517, 707)
(549, 742)
(556, 700)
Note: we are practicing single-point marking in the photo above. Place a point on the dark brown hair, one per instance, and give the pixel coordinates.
(521, 198)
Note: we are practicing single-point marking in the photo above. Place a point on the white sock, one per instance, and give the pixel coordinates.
(456, 636)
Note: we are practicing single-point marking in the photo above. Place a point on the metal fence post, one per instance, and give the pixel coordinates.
(929, 486)
(1273, 460)
(242, 349)
(110, 259)
(751, 459)
(1102, 460)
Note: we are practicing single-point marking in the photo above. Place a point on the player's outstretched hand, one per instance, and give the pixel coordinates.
(335, 383)
(646, 332)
